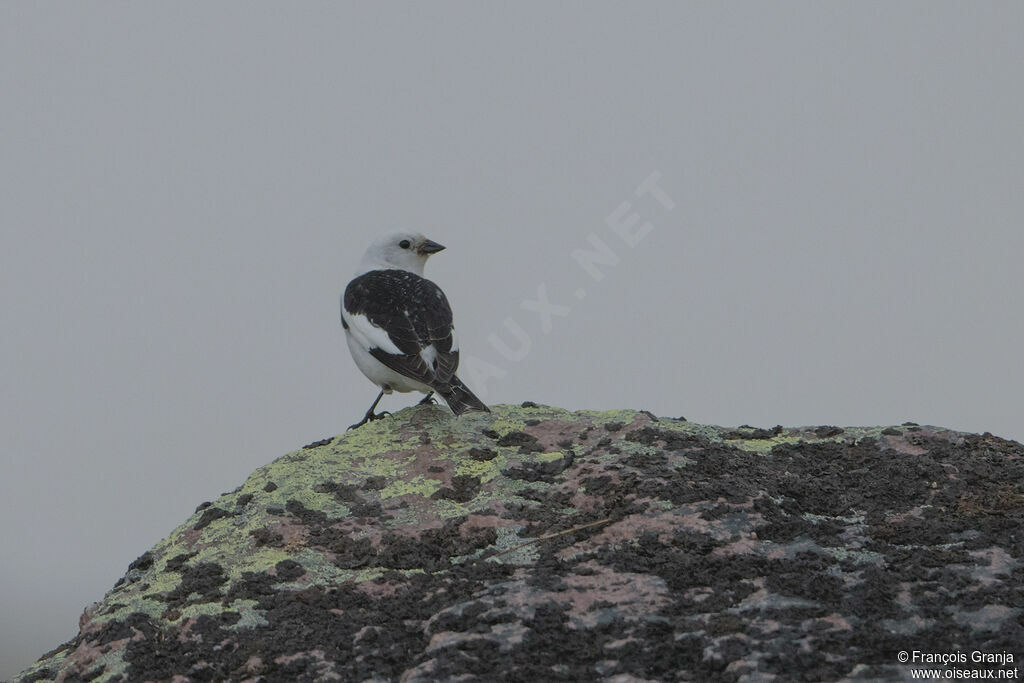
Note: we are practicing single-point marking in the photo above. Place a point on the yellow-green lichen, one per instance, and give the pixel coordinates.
(709, 432)
(550, 456)
(113, 666)
(249, 616)
(256, 560)
(603, 417)
(52, 662)
(505, 425)
(418, 485)
(486, 470)
(131, 604)
(449, 509)
(198, 609)
(763, 446)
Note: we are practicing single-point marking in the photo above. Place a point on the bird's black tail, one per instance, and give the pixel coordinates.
(459, 398)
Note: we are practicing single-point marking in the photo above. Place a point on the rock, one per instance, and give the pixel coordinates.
(539, 544)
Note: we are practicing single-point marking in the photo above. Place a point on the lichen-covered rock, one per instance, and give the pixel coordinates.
(536, 544)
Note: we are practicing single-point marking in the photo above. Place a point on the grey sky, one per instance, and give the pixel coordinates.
(185, 189)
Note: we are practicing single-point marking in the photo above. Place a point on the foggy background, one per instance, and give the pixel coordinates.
(186, 188)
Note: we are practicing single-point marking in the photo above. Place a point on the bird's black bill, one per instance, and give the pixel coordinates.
(430, 247)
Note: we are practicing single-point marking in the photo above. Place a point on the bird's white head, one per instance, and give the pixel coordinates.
(400, 251)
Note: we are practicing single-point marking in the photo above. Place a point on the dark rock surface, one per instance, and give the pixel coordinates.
(535, 544)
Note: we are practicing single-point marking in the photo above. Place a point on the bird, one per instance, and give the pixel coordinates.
(398, 325)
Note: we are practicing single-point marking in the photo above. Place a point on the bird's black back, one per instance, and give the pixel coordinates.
(415, 314)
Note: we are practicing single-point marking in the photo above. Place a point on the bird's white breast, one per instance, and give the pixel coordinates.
(375, 371)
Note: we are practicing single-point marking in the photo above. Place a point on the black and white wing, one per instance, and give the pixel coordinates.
(405, 322)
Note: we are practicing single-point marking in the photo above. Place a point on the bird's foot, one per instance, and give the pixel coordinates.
(369, 417)
(428, 400)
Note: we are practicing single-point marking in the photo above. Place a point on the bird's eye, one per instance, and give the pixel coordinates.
(404, 244)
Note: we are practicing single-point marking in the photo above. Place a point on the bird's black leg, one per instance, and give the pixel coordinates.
(428, 400)
(370, 416)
